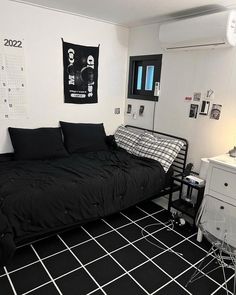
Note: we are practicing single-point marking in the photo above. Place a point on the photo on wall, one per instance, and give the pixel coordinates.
(215, 111)
(129, 109)
(193, 111)
(197, 96)
(205, 107)
(80, 73)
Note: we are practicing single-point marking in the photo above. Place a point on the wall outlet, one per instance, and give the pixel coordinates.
(134, 116)
(157, 89)
(117, 111)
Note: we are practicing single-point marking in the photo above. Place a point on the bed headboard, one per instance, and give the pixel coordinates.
(180, 161)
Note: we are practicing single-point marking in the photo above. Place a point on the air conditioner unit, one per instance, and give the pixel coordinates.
(205, 31)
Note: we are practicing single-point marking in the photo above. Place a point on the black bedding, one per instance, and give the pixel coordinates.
(37, 197)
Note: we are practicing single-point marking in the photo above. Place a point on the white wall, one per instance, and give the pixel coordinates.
(42, 31)
(182, 74)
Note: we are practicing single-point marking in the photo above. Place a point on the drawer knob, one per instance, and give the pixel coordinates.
(225, 184)
(222, 207)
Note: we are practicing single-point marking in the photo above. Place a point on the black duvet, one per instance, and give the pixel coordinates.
(37, 197)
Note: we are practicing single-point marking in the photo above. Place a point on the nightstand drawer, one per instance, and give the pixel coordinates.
(223, 182)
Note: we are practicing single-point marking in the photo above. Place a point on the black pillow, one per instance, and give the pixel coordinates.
(82, 137)
(37, 144)
(111, 142)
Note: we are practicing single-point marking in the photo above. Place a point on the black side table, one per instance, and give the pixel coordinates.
(184, 203)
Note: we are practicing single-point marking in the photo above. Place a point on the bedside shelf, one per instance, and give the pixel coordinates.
(181, 204)
(184, 207)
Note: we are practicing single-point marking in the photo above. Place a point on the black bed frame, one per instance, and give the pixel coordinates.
(179, 163)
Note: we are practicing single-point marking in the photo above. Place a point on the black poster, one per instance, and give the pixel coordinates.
(80, 73)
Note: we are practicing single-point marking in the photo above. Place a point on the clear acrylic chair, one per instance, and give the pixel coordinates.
(217, 221)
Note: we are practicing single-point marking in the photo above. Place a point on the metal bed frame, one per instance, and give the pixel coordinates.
(179, 163)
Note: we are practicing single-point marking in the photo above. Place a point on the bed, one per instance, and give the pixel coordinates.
(41, 197)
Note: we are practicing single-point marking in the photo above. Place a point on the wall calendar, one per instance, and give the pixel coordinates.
(13, 103)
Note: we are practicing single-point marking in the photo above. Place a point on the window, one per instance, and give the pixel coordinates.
(144, 71)
(139, 78)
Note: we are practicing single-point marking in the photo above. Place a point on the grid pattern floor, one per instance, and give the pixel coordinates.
(111, 256)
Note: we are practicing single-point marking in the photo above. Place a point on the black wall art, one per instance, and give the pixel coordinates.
(80, 73)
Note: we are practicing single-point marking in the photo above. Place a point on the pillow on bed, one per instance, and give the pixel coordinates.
(84, 137)
(37, 144)
(160, 149)
(126, 139)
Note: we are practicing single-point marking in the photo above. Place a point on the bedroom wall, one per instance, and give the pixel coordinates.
(42, 30)
(183, 73)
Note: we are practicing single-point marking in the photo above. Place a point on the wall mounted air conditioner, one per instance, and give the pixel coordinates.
(206, 31)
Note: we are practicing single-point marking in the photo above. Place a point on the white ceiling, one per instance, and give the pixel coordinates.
(134, 12)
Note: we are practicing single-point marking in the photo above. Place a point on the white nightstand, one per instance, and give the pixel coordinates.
(221, 181)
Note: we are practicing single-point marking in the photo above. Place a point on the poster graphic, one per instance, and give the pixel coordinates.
(80, 73)
(13, 104)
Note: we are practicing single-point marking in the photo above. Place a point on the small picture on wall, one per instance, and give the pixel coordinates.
(188, 98)
(141, 110)
(193, 111)
(129, 109)
(215, 111)
(196, 96)
(205, 107)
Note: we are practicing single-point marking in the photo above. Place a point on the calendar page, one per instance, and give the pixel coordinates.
(13, 102)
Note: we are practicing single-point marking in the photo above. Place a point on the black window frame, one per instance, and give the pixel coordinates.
(134, 62)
